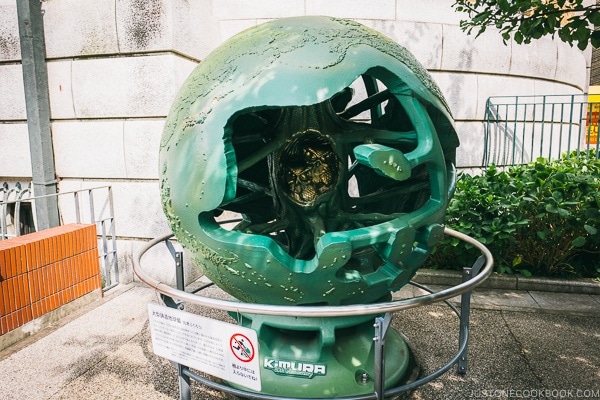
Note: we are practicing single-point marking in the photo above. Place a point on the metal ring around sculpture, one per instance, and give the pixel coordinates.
(318, 311)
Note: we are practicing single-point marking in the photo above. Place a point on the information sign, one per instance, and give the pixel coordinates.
(224, 350)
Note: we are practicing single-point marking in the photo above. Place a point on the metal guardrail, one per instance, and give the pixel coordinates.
(519, 129)
(93, 206)
(472, 277)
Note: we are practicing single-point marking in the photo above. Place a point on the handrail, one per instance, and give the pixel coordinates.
(316, 311)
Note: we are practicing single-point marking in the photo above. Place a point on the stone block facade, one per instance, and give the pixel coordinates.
(114, 68)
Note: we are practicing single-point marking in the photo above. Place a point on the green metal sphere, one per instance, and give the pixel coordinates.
(336, 210)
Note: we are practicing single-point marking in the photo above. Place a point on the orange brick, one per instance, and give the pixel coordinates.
(42, 308)
(68, 244)
(56, 276)
(56, 301)
(69, 272)
(71, 293)
(10, 301)
(43, 253)
(39, 248)
(25, 295)
(11, 322)
(50, 279)
(6, 297)
(3, 264)
(59, 243)
(27, 315)
(3, 327)
(43, 282)
(21, 259)
(18, 292)
(2, 308)
(30, 256)
(51, 282)
(10, 262)
(33, 256)
(35, 310)
(51, 249)
(64, 273)
(18, 321)
(34, 285)
(84, 266)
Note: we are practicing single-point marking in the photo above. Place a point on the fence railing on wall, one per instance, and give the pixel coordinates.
(94, 206)
(519, 129)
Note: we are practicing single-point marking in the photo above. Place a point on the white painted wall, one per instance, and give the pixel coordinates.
(115, 66)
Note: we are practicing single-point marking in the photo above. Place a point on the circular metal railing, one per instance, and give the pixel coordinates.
(478, 276)
(317, 311)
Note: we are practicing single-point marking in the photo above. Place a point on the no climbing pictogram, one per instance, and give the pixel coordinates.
(241, 347)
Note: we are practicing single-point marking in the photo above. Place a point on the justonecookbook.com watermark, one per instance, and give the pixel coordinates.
(534, 393)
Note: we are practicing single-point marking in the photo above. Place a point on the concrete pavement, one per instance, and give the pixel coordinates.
(523, 344)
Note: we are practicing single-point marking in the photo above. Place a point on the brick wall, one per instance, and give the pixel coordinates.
(42, 271)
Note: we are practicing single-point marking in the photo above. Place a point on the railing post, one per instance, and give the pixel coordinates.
(381, 327)
(465, 312)
(37, 104)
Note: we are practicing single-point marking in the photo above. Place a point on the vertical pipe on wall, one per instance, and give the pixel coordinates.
(37, 102)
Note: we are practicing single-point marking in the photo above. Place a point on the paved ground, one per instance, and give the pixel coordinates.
(524, 344)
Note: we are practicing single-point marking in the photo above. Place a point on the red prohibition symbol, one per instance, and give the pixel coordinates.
(241, 347)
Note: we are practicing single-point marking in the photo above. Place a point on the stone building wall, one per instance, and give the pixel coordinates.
(114, 67)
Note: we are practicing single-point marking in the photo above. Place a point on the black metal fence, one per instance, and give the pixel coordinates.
(519, 129)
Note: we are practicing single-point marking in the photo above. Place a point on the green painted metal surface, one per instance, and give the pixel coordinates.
(323, 357)
(337, 208)
(294, 68)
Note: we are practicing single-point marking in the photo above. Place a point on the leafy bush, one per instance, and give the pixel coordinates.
(537, 219)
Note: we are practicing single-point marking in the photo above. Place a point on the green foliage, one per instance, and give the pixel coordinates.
(524, 20)
(541, 218)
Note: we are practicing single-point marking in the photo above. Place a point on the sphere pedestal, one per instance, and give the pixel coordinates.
(361, 356)
(324, 357)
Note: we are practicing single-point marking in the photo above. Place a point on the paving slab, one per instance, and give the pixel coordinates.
(514, 350)
(565, 302)
(43, 368)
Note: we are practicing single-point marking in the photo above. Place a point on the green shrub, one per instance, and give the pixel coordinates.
(537, 219)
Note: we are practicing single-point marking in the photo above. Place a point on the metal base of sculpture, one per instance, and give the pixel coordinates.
(323, 357)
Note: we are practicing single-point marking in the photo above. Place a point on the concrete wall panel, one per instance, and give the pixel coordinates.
(107, 149)
(10, 49)
(60, 89)
(127, 87)
(15, 160)
(540, 63)
(194, 31)
(238, 9)
(485, 54)
(436, 11)
(453, 87)
(80, 27)
(232, 27)
(568, 67)
(423, 40)
(144, 25)
(141, 141)
(12, 93)
(89, 149)
(470, 152)
(384, 10)
(500, 85)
